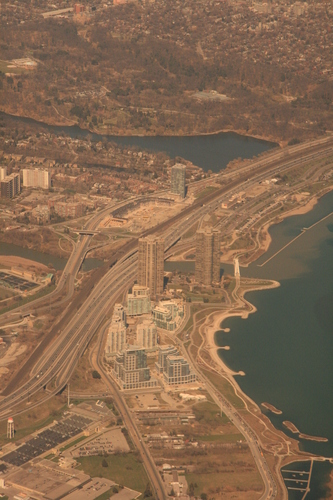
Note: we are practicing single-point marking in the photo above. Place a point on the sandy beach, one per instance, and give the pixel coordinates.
(242, 308)
(214, 323)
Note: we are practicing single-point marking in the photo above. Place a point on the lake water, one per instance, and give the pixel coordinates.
(286, 347)
(210, 152)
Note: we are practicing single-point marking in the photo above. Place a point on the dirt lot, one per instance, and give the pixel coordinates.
(212, 450)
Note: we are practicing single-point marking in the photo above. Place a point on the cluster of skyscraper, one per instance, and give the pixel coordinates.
(146, 333)
(130, 361)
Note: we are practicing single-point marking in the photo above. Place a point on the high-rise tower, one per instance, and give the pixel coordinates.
(178, 174)
(116, 338)
(207, 256)
(151, 264)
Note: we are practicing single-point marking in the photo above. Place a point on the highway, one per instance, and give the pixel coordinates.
(56, 364)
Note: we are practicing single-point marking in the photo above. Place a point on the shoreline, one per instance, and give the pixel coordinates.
(227, 258)
(216, 324)
(54, 123)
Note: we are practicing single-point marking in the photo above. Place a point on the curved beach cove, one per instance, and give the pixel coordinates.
(286, 347)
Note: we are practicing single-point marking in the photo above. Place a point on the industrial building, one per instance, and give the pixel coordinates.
(151, 264)
(207, 256)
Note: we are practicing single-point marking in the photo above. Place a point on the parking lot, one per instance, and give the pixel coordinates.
(47, 439)
(107, 443)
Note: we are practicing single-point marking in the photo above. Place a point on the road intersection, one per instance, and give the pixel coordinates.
(56, 365)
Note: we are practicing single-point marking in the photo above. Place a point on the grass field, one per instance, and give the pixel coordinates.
(207, 190)
(106, 495)
(221, 438)
(5, 293)
(225, 388)
(221, 483)
(124, 469)
(44, 291)
(191, 232)
(32, 420)
(73, 443)
(209, 413)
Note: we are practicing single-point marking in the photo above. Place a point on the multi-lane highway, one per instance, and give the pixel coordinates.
(57, 363)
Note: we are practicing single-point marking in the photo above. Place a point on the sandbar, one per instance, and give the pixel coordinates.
(292, 427)
(313, 438)
(271, 408)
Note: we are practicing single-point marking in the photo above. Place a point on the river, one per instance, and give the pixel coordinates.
(44, 258)
(210, 152)
(286, 348)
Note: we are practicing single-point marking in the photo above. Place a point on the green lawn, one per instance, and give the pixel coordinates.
(22, 430)
(73, 443)
(206, 191)
(124, 469)
(44, 291)
(225, 388)
(106, 495)
(221, 438)
(246, 481)
(209, 413)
